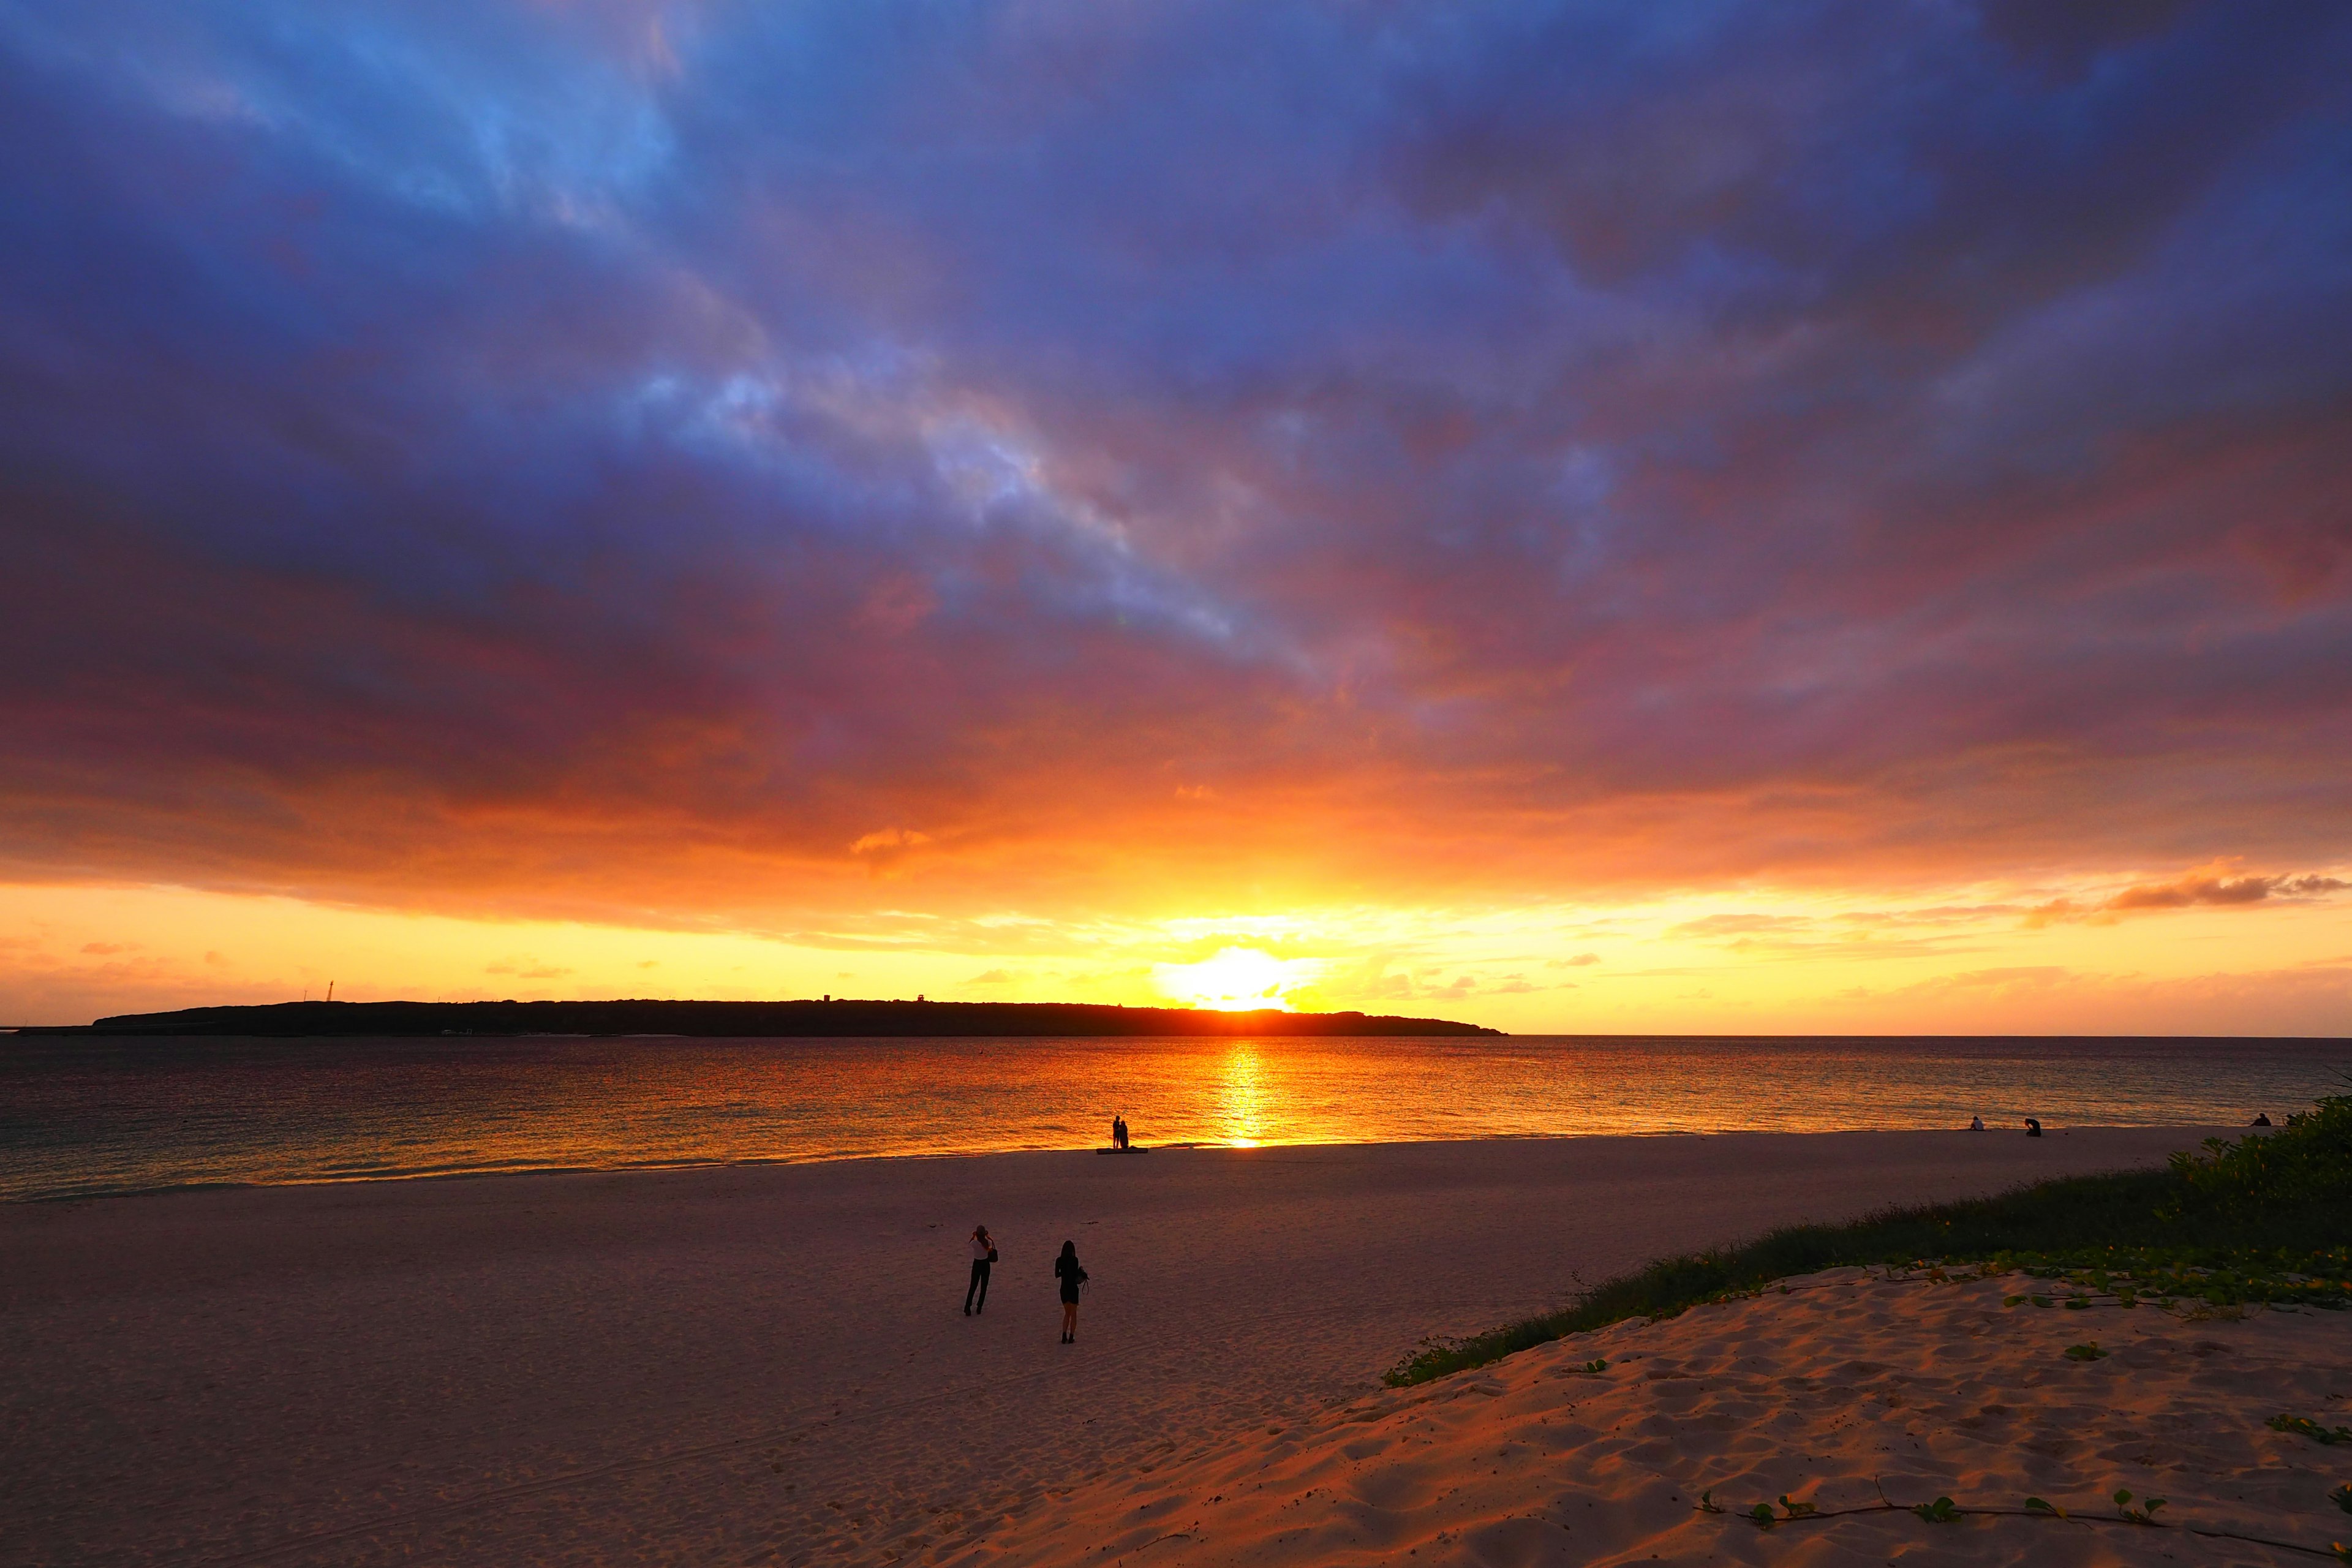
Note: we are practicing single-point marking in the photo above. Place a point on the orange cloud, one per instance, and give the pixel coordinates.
(2211, 887)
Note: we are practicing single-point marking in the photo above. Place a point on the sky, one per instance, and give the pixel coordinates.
(1703, 517)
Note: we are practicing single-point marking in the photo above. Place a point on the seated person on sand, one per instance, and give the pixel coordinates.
(1976, 1124)
(2033, 1127)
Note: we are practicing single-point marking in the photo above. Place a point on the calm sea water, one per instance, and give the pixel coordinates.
(83, 1117)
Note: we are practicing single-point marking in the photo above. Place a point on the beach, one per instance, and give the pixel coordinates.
(757, 1364)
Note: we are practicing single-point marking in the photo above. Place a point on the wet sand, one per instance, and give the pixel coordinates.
(769, 1363)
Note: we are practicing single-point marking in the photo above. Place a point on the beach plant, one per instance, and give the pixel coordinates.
(2305, 1427)
(2090, 1352)
(2342, 1498)
(2137, 1513)
(1761, 1516)
(2308, 1161)
(1597, 1365)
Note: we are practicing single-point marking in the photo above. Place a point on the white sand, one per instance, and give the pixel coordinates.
(1847, 1390)
(721, 1367)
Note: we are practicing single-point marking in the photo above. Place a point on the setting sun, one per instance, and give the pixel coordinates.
(1236, 978)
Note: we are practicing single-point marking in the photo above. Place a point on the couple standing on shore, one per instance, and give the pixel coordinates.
(1066, 1269)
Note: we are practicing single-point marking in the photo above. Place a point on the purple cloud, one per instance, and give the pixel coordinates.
(640, 456)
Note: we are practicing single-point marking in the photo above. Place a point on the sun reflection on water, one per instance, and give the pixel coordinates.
(1241, 1106)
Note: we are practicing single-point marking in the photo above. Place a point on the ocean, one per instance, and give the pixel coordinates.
(84, 1117)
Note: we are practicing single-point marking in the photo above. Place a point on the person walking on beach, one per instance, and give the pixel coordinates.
(983, 1253)
(1119, 1131)
(1067, 1270)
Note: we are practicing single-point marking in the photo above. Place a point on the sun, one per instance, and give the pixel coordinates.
(1237, 977)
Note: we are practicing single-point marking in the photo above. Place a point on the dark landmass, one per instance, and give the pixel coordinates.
(739, 1019)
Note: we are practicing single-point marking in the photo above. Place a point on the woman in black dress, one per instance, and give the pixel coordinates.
(983, 1253)
(1067, 1270)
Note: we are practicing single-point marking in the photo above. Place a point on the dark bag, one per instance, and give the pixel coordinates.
(992, 1255)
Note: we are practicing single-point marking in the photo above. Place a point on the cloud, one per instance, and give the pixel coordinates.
(1447, 455)
(1874, 935)
(882, 851)
(528, 969)
(2190, 891)
(991, 978)
(1582, 960)
(2211, 887)
(1735, 924)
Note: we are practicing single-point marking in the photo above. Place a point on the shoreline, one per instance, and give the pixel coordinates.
(790, 1162)
(732, 1363)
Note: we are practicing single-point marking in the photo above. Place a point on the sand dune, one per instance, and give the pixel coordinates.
(769, 1364)
(1845, 1389)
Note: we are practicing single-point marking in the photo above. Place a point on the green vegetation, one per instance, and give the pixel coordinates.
(2305, 1427)
(2264, 1218)
(2129, 1510)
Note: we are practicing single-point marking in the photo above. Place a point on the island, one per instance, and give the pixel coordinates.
(804, 1019)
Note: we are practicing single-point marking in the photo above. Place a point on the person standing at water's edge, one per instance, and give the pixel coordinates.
(983, 1253)
(1067, 1270)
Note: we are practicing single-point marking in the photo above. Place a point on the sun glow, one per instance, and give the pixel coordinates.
(1237, 978)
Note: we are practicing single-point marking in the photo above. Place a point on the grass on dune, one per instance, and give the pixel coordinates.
(2267, 1217)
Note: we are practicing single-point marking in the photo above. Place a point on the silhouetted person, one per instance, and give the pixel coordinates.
(2032, 1127)
(983, 1253)
(1067, 1270)
(1119, 1131)
(1976, 1124)
(2261, 1118)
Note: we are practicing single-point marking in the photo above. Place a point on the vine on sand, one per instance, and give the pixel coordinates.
(2136, 1511)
